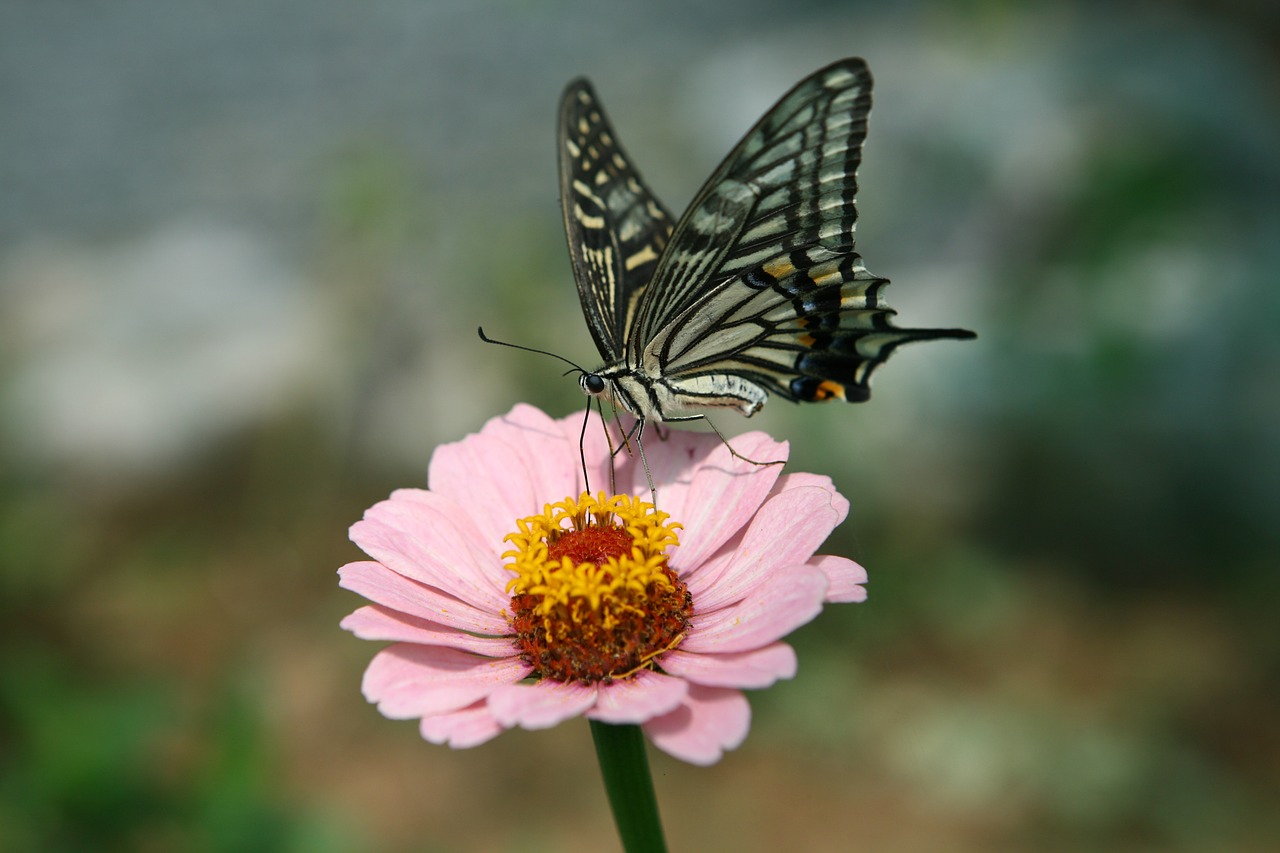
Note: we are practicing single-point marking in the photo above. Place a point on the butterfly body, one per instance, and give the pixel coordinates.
(653, 396)
(756, 290)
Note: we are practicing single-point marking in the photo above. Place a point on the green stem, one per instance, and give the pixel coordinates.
(625, 768)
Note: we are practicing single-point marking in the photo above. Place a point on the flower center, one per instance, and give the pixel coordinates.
(593, 598)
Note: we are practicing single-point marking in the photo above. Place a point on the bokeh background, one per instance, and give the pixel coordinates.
(244, 248)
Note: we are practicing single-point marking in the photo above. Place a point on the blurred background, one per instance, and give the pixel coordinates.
(244, 248)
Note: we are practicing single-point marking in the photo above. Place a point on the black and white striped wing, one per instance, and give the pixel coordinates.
(616, 228)
(760, 279)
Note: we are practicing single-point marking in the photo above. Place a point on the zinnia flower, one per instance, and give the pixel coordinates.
(513, 597)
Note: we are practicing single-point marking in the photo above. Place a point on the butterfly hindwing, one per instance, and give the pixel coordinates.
(807, 332)
(616, 227)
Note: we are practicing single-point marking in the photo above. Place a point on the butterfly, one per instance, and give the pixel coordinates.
(756, 289)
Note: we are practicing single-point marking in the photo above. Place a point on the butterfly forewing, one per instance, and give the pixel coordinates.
(760, 279)
(616, 228)
(789, 184)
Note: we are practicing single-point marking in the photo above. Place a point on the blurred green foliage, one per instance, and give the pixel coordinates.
(94, 764)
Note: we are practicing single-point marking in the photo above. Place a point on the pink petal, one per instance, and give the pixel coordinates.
(425, 537)
(541, 705)
(787, 599)
(637, 699)
(724, 494)
(408, 680)
(801, 479)
(438, 584)
(787, 529)
(507, 471)
(383, 586)
(845, 578)
(461, 729)
(551, 460)
(710, 721)
(376, 622)
(758, 668)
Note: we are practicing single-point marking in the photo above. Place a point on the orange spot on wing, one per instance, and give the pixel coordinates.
(779, 268)
(827, 390)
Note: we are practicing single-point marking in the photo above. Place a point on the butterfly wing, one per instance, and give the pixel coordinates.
(616, 227)
(760, 279)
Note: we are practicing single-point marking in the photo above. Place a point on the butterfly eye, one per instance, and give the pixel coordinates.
(592, 384)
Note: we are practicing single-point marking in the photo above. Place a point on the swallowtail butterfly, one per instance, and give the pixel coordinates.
(757, 289)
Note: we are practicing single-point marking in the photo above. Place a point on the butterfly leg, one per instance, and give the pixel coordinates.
(614, 450)
(648, 475)
(636, 432)
(735, 454)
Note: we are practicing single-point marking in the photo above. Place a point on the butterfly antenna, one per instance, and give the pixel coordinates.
(489, 340)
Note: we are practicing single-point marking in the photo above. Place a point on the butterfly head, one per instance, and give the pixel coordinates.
(593, 384)
(624, 388)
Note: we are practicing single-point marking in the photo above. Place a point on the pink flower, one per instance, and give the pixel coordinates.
(500, 615)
